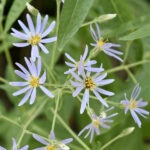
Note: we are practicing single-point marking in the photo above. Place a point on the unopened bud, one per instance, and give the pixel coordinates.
(32, 9)
(126, 131)
(105, 17)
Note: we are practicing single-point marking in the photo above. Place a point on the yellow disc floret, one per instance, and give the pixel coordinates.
(133, 104)
(34, 82)
(89, 83)
(50, 147)
(34, 40)
(96, 123)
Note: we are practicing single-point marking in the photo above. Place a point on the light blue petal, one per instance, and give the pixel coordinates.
(49, 29)
(40, 139)
(33, 96)
(21, 91)
(38, 23)
(44, 23)
(18, 83)
(49, 40)
(21, 44)
(44, 49)
(70, 58)
(85, 100)
(136, 118)
(43, 78)
(46, 91)
(25, 98)
(34, 52)
(100, 98)
(30, 24)
(24, 28)
(104, 92)
(77, 91)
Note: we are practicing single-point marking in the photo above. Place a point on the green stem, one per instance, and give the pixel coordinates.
(10, 120)
(131, 75)
(37, 109)
(3, 80)
(71, 132)
(55, 112)
(110, 142)
(123, 67)
(57, 27)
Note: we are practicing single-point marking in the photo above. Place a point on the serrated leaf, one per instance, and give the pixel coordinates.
(73, 15)
(16, 9)
(140, 33)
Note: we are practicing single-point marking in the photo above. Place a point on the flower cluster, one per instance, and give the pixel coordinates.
(83, 77)
(135, 106)
(52, 144)
(98, 121)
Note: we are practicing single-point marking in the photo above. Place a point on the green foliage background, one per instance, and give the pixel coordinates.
(131, 29)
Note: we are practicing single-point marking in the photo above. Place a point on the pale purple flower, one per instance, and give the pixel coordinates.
(135, 105)
(34, 36)
(90, 83)
(98, 121)
(52, 143)
(82, 64)
(33, 80)
(106, 47)
(15, 146)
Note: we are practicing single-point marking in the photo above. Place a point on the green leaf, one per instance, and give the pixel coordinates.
(73, 15)
(2, 5)
(16, 9)
(140, 33)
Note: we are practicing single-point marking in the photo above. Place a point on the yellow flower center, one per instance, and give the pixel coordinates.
(96, 123)
(100, 43)
(133, 104)
(34, 40)
(89, 83)
(34, 82)
(50, 147)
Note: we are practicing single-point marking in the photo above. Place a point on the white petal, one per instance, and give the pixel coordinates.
(18, 83)
(136, 118)
(70, 58)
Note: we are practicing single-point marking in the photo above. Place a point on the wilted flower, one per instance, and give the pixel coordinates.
(106, 47)
(98, 121)
(52, 144)
(91, 83)
(135, 106)
(34, 36)
(33, 80)
(82, 64)
(15, 146)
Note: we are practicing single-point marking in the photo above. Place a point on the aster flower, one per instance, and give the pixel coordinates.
(106, 47)
(135, 105)
(15, 146)
(90, 83)
(98, 121)
(82, 64)
(34, 36)
(33, 80)
(52, 144)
